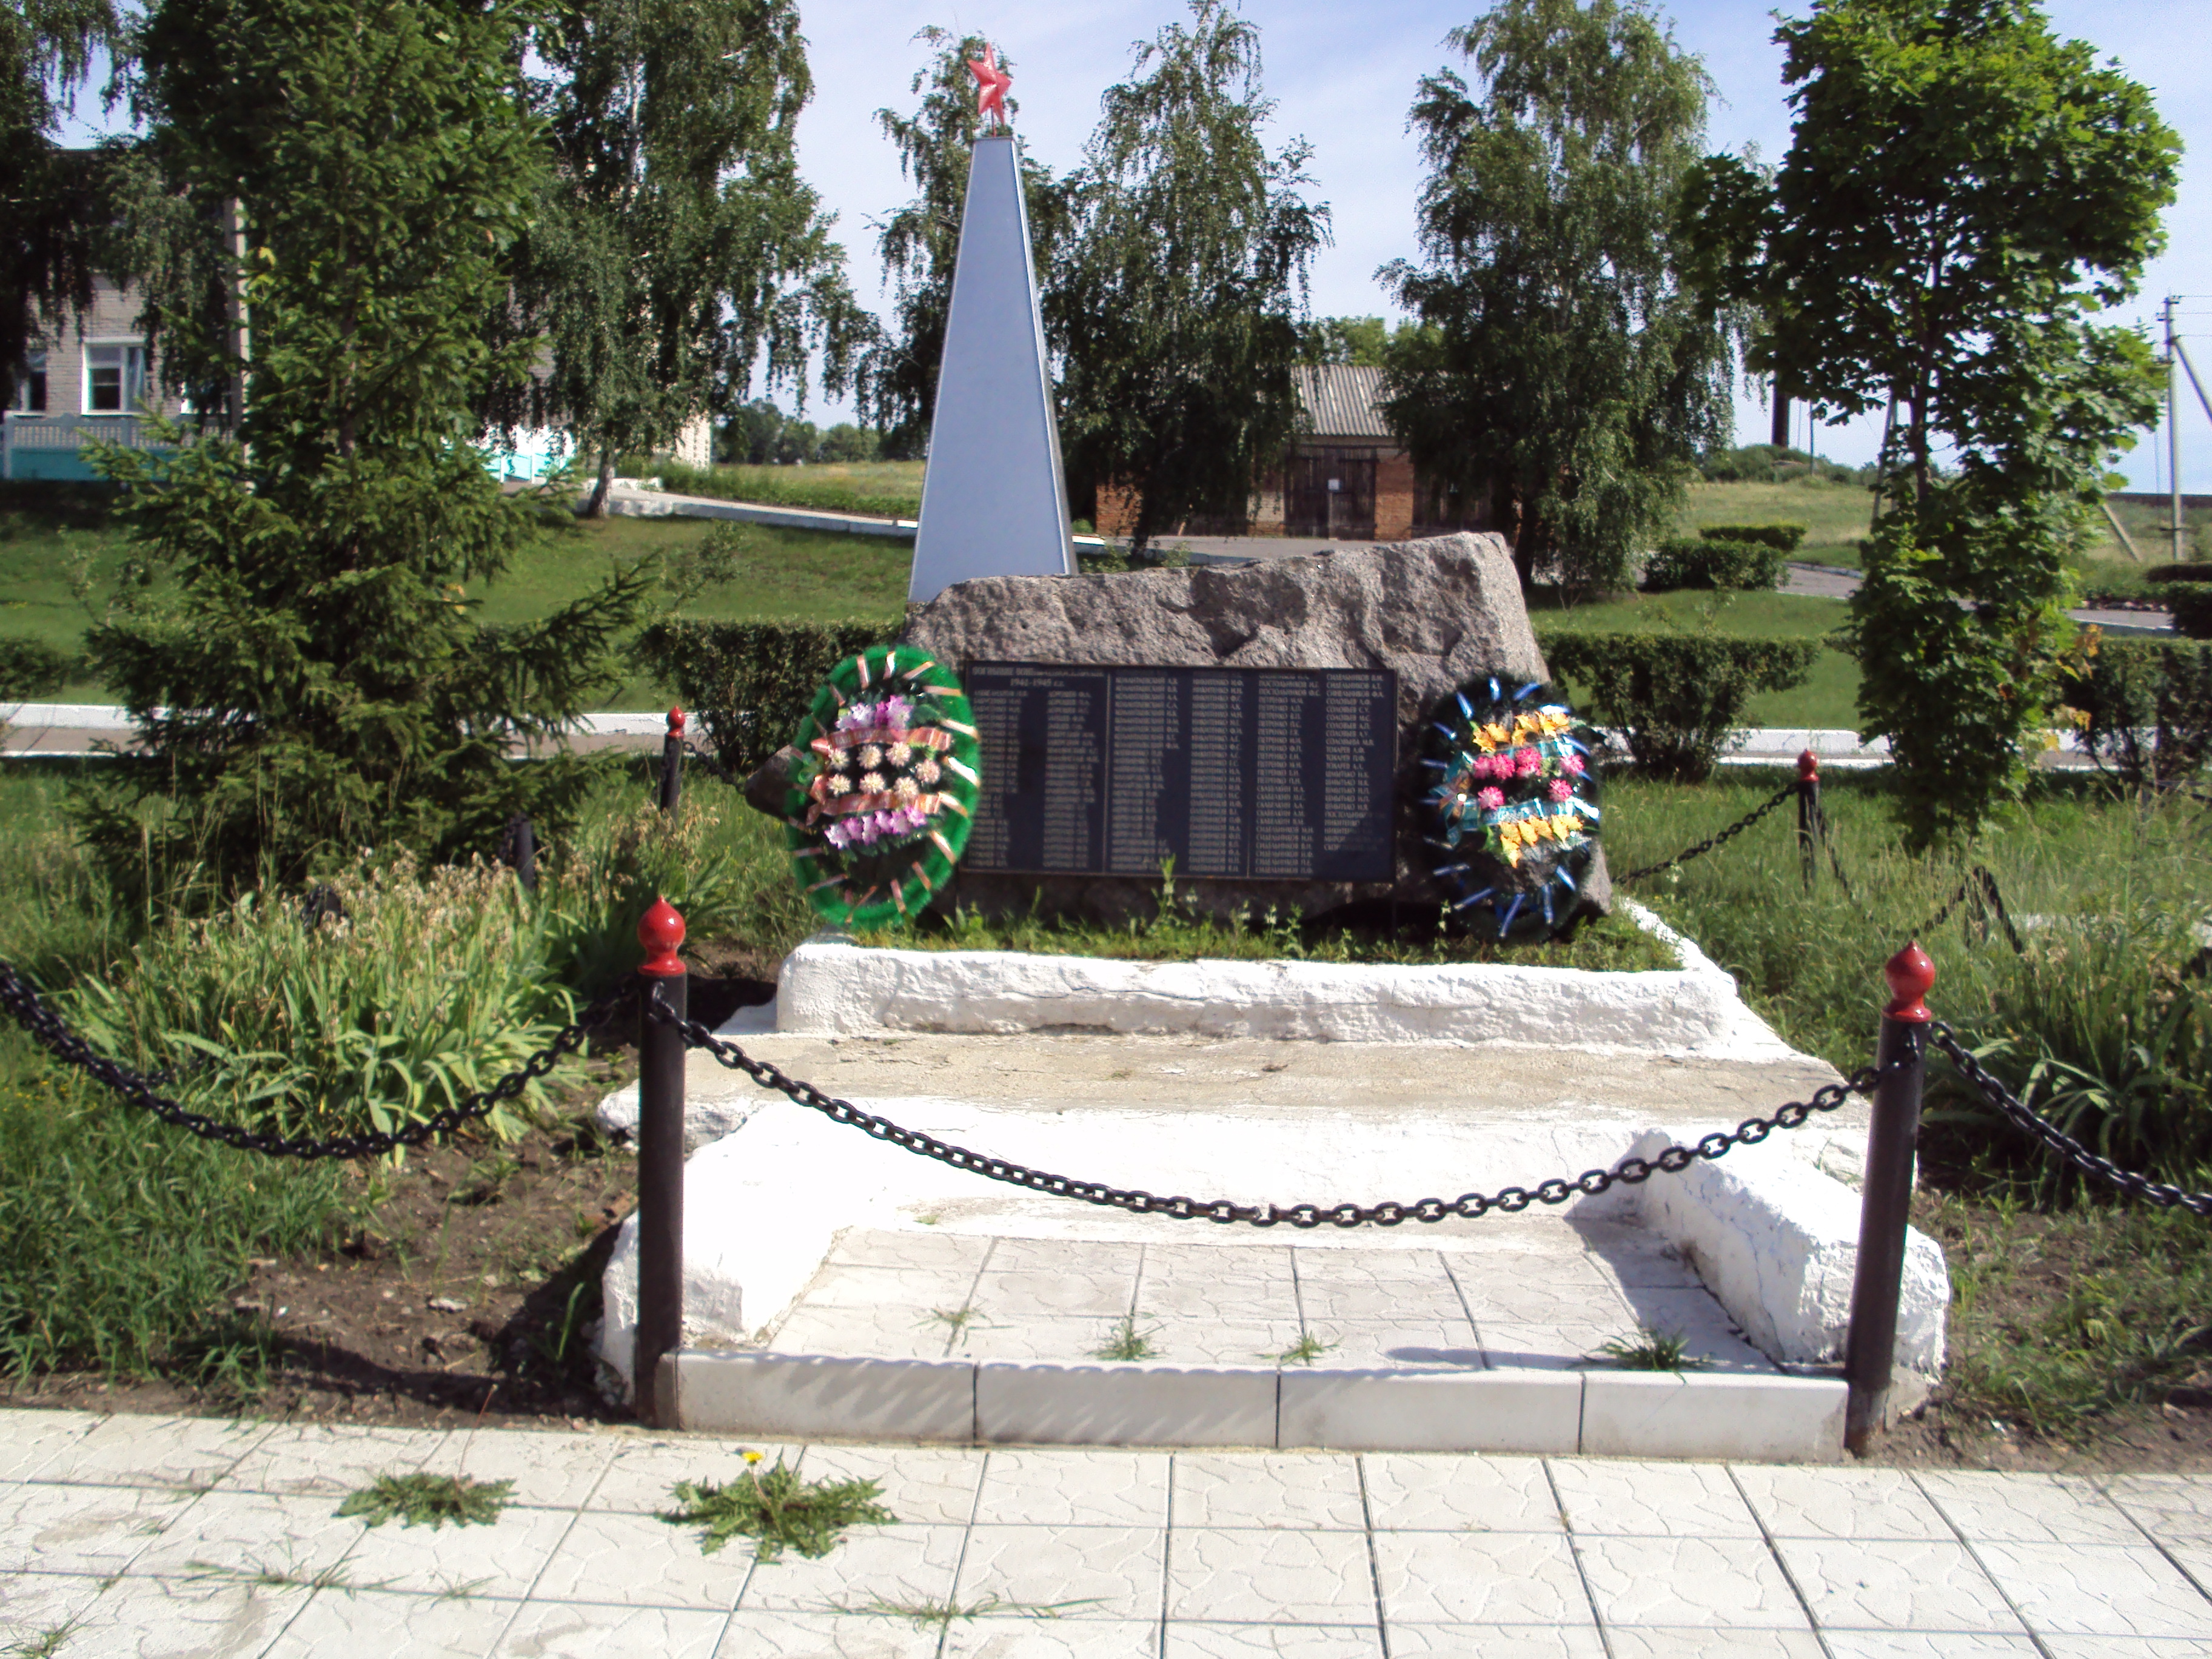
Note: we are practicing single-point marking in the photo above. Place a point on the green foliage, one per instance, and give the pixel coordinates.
(598, 883)
(761, 434)
(2178, 573)
(31, 668)
(2191, 606)
(1364, 341)
(1771, 462)
(749, 684)
(1650, 1350)
(675, 250)
(778, 1508)
(1783, 536)
(430, 988)
(433, 1499)
(920, 243)
(1708, 560)
(1113, 558)
(118, 1234)
(1175, 291)
(2106, 1032)
(1963, 192)
(317, 685)
(1567, 359)
(1957, 689)
(2148, 708)
(1126, 1344)
(1677, 698)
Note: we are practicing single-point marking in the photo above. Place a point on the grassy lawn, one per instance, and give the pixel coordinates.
(783, 575)
(1835, 515)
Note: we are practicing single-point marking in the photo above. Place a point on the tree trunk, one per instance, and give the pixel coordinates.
(596, 507)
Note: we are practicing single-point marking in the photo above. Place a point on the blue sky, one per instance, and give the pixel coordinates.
(1343, 78)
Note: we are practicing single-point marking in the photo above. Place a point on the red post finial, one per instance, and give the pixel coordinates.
(660, 930)
(675, 722)
(1911, 975)
(1809, 766)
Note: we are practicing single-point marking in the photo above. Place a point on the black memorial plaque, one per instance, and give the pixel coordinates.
(1235, 773)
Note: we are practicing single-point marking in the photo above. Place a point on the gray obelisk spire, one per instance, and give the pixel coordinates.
(994, 499)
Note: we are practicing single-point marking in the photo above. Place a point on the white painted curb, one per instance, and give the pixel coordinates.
(829, 987)
(981, 1402)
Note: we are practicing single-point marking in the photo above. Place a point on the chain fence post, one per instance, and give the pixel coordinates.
(1809, 827)
(522, 848)
(1886, 1196)
(660, 1163)
(672, 762)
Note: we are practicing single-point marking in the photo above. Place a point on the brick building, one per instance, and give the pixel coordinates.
(1345, 479)
(93, 380)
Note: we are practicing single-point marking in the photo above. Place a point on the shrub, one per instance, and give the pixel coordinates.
(599, 884)
(750, 684)
(428, 988)
(31, 668)
(1784, 536)
(2178, 573)
(118, 1233)
(1694, 562)
(2148, 708)
(2191, 606)
(1677, 698)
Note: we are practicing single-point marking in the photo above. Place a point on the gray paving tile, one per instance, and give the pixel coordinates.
(1486, 1578)
(2097, 1590)
(2175, 1508)
(874, 1568)
(1607, 1497)
(193, 1452)
(891, 1332)
(642, 1475)
(29, 1440)
(1053, 1638)
(1085, 1573)
(90, 1529)
(1809, 1503)
(1691, 1642)
(157, 1619)
(247, 1532)
(640, 1561)
(1885, 1583)
(577, 1630)
(1074, 1487)
(920, 1485)
(389, 1627)
(502, 1558)
(1496, 1642)
(1256, 1576)
(1440, 1492)
(764, 1635)
(921, 1249)
(312, 1459)
(548, 1471)
(1719, 1582)
(1060, 1292)
(2028, 1508)
(1929, 1645)
(33, 1606)
(1233, 1489)
(1201, 1641)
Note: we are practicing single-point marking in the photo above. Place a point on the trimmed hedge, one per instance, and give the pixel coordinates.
(1679, 698)
(31, 668)
(749, 683)
(1704, 561)
(1783, 536)
(2190, 604)
(2178, 573)
(2149, 704)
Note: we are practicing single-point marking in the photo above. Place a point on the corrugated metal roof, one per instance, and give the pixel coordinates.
(1340, 401)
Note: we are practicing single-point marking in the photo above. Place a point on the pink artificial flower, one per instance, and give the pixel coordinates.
(856, 716)
(1561, 790)
(1527, 762)
(1490, 798)
(894, 711)
(1571, 764)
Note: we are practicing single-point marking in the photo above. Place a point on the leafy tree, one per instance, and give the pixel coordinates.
(52, 205)
(1962, 193)
(318, 684)
(847, 442)
(1178, 296)
(1362, 342)
(1567, 359)
(676, 252)
(750, 435)
(920, 243)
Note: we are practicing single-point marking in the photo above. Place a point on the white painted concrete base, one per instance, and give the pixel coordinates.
(829, 986)
(1597, 1414)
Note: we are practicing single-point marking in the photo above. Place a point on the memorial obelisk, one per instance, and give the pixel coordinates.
(994, 498)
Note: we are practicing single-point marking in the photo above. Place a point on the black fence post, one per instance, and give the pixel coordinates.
(659, 1164)
(672, 762)
(1886, 1197)
(1809, 827)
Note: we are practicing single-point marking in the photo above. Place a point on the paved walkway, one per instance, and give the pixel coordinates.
(151, 1537)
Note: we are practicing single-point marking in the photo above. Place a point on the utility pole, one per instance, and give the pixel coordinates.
(2173, 427)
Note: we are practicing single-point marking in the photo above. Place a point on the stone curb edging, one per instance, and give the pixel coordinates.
(985, 1402)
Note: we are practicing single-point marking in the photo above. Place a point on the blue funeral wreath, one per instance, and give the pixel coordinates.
(1516, 806)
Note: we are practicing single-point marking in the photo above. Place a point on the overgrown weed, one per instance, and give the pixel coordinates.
(431, 1500)
(778, 1510)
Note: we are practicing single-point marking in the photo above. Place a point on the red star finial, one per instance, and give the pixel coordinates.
(992, 84)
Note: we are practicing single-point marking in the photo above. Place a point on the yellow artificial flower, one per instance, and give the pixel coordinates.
(1492, 737)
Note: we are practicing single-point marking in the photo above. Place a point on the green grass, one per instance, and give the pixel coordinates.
(1835, 515)
(1650, 1350)
(889, 489)
(778, 1510)
(1829, 697)
(431, 1500)
(1127, 1343)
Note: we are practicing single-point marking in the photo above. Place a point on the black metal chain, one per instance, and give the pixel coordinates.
(47, 1028)
(1713, 841)
(2027, 1119)
(1509, 1200)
